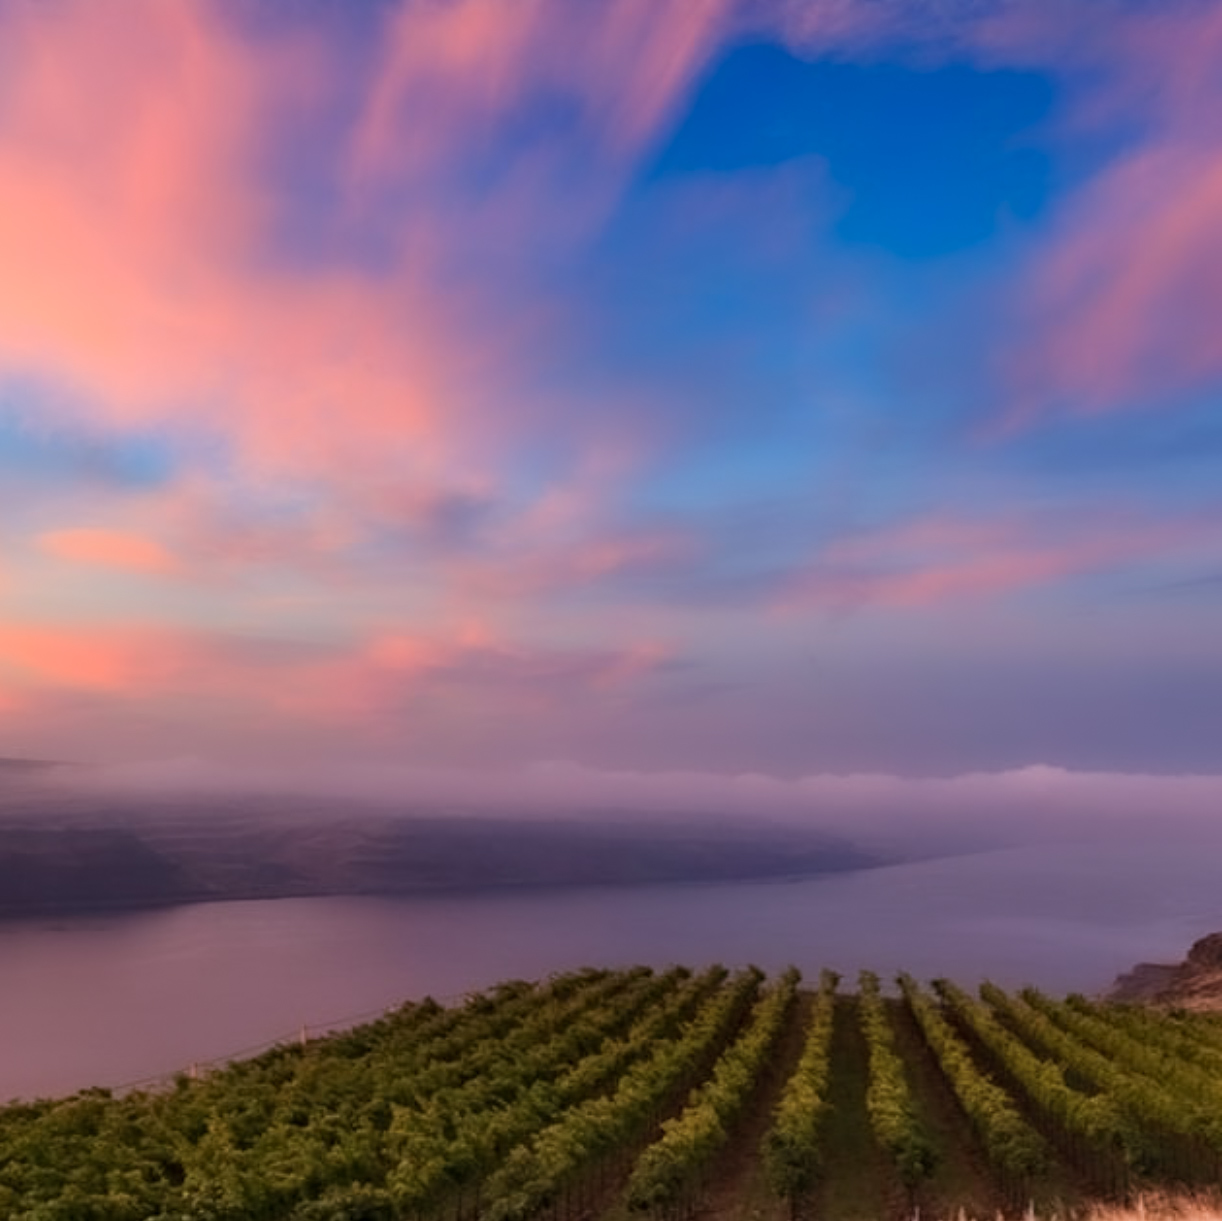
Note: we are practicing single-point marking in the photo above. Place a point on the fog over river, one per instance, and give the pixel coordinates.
(110, 999)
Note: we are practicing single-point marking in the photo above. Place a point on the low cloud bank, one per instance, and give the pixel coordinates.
(966, 812)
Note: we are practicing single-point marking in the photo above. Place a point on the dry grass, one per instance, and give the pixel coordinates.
(1151, 1206)
(1158, 1206)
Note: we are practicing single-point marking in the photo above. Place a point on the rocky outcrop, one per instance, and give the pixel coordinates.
(1145, 982)
(1206, 954)
(1195, 983)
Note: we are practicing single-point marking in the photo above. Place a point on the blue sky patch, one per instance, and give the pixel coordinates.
(931, 159)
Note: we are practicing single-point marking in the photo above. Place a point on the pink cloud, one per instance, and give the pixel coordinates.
(473, 655)
(1119, 305)
(133, 226)
(466, 64)
(114, 661)
(937, 559)
(1125, 302)
(571, 565)
(109, 549)
(137, 213)
(341, 682)
(219, 539)
(139, 222)
(819, 26)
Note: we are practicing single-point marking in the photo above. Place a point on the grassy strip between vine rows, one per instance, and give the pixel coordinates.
(1014, 1149)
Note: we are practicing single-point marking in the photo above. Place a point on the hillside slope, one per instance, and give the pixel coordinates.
(637, 1095)
(1195, 983)
(71, 851)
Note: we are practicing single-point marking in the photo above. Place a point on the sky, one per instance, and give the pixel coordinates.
(714, 388)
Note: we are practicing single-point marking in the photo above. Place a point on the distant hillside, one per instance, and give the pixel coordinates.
(60, 856)
(1195, 983)
(11, 767)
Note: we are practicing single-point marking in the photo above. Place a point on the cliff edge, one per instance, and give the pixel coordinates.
(1195, 983)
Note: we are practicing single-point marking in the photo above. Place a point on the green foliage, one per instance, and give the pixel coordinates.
(517, 1101)
(1154, 1057)
(352, 1203)
(1093, 1120)
(1013, 1147)
(432, 1166)
(334, 1128)
(670, 1167)
(1130, 1094)
(791, 1145)
(1177, 1033)
(536, 1173)
(1167, 1107)
(889, 1102)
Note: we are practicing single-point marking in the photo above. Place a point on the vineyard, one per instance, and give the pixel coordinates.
(613, 1095)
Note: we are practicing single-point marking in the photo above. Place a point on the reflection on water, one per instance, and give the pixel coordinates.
(107, 1000)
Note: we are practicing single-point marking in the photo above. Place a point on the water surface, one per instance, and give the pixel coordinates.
(108, 1000)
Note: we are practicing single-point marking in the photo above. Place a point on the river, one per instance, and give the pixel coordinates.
(112, 999)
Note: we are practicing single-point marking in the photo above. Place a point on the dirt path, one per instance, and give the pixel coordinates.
(859, 1183)
(738, 1189)
(1062, 1186)
(962, 1179)
(736, 1186)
